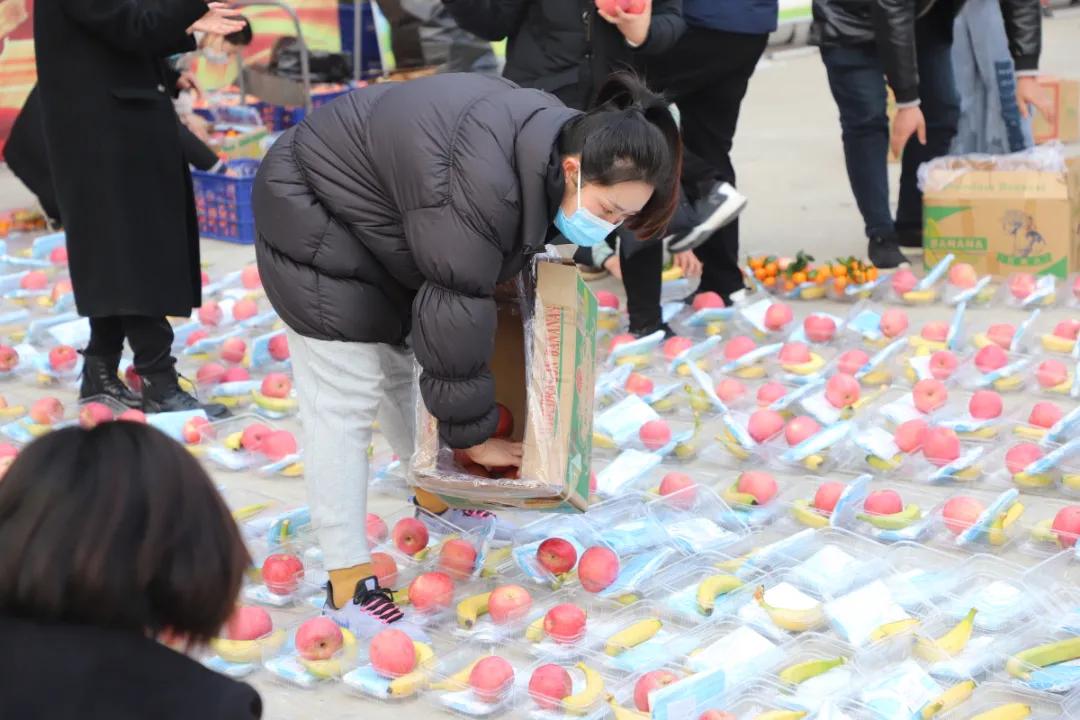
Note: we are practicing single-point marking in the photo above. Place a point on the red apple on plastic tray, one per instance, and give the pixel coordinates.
(1001, 334)
(196, 336)
(251, 439)
(963, 276)
(738, 346)
(1051, 373)
(894, 322)
(819, 328)
(9, 358)
(60, 289)
(46, 411)
(34, 280)
(210, 314)
(320, 637)
(961, 512)
(548, 686)
(990, 358)
(929, 395)
(910, 435)
(707, 300)
(655, 434)
(777, 316)
(679, 489)
(985, 405)
(282, 573)
(883, 502)
(904, 281)
(852, 361)
(195, 430)
(674, 346)
(245, 308)
(1068, 329)
(730, 390)
(935, 331)
(598, 568)
(794, 353)
(59, 256)
(491, 679)
(392, 653)
(410, 536)
(1021, 285)
(210, 373)
(941, 446)
(827, 495)
(1045, 414)
(842, 390)
(508, 603)
(431, 591)
(93, 414)
(1021, 455)
(385, 569)
(249, 277)
(233, 350)
(278, 445)
(764, 424)
(607, 299)
(761, 485)
(62, 358)
(276, 385)
(236, 374)
(770, 392)
(943, 364)
(279, 347)
(800, 428)
(648, 683)
(248, 623)
(565, 623)
(638, 384)
(376, 529)
(1066, 525)
(457, 558)
(556, 555)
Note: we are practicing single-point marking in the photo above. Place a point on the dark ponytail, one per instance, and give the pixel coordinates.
(630, 136)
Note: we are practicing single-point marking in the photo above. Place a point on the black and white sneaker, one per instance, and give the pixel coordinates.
(371, 610)
(884, 253)
(718, 208)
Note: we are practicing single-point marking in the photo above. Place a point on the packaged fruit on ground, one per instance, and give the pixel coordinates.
(567, 690)
(1027, 291)
(283, 582)
(419, 536)
(696, 520)
(1062, 339)
(1058, 529)
(799, 362)
(831, 561)
(398, 667)
(626, 349)
(547, 552)
(854, 280)
(275, 397)
(992, 368)
(981, 522)
(821, 503)
(1039, 466)
(698, 590)
(997, 700)
(474, 683)
(782, 609)
(562, 629)
(1046, 420)
(318, 649)
(44, 415)
(1054, 377)
(810, 447)
(248, 637)
(244, 442)
(495, 612)
(994, 589)
(965, 286)
(893, 514)
(641, 636)
(816, 670)
(946, 459)
(752, 497)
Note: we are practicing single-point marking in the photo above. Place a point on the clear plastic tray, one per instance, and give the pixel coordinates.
(990, 696)
(589, 689)
(696, 520)
(451, 691)
(286, 663)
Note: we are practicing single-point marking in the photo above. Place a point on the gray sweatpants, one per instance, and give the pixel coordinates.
(343, 386)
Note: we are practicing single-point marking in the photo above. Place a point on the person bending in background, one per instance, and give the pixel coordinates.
(122, 186)
(907, 43)
(113, 537)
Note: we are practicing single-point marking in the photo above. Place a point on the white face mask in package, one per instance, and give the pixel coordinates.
(856, 615)
(901, 694)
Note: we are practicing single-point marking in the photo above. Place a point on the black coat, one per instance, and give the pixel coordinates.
(60, 672)
(123, 188)
(891, 25)
(564, 46)
(397, 209)
(26, 156)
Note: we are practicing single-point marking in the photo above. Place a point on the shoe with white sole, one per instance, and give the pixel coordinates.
(718, 208)
(371, 610)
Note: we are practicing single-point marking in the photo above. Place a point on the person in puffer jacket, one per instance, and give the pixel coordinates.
(384, 222)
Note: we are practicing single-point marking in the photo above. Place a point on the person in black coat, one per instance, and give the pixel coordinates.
(122, 186)
(112, 538)
(384, 222)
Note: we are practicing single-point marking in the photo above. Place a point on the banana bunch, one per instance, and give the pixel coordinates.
(910, 515)
(1022, 663)
(948, 700)
(280, 406)
(791, 620)
(471, 609)
(1010, 711)
(889, 629)
(802, 511)
(411, 683)
(997, 535)
(335, 666)
(713, 586)
(801, 672)
(630, 637)
(1056, 344)
(920, 297)
(248, 651)
(582, 703)
(620, 713)
(948, 645)
(811, 366)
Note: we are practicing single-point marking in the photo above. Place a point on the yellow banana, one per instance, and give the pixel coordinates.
(948, 645)
(535, 632)
(335, 666)
(1011, 711)
(877, 377)
(37, 430)
(883, 464)
(401, 597)
(638, 361)
(714, 328)
(812, 293)
(781, 715)
(665, 404)
(274, 405)
(495, 558)
(897, 521)
(732, 445)
(243, 513)
(620, 713)
(813, 462)
(751, 372)
(458, 681)
(1030, 432)
(734, 564)
(793, 620)
(734, 497)
(811, 366)
(920, 343)
(599, 440)
(712, 586)
(1005, 384)
(1020, 664)
(1042, 532)
(889, 629)
(983, 433)
(12, 411)
(471, 608)
(684, 369)
(801, 672)
(981, 340)
(411, 683)
(801, 511)
(685, 450)
(1041, 480)
(672, 273)
(920, 297)
(949, 699)
(607, 321)
(638, 633)
(997, 534)
(1071, 481)
(296, 469)
(232, 441)
(582, 703)
(1053, 343)
(627, 599)
(247, 651)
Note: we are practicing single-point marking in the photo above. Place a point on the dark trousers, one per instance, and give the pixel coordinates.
(706, 74)
(857, 80)
(151, 340)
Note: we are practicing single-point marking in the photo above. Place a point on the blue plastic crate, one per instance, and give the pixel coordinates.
(223, 202)
(370, 59)
(279, 117)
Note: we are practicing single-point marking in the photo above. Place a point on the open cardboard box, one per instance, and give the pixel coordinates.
(544, 364)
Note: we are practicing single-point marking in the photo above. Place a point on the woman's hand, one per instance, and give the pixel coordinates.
(634, 27)
(220, 20)
(612, 266)
(496, 452)
(687, 262)
(1030, 92)
(187, 81)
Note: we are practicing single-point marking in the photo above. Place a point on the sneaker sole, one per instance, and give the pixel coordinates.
(722, 216)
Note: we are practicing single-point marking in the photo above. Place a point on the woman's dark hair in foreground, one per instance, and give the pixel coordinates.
(630, 135)
(117, 527)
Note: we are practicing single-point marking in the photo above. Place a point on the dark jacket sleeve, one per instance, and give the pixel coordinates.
(1023, 25)
(148, 27)
(490, 19)
(894, 31)
(666, 28)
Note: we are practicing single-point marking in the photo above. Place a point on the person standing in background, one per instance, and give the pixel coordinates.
(424, 34)
(123, 188)
(909, 43)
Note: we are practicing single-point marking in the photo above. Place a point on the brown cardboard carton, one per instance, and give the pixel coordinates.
(543, 363)
(1004, 221)
(1065, 95)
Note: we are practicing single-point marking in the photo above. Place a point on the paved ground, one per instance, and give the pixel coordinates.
(790, 164)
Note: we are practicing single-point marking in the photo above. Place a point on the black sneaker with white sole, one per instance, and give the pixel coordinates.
(371, 610)
(884, 253)
(719, 207)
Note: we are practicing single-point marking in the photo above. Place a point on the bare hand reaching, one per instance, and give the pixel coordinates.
(187, 81)
(687, 262)
(1030, 92)
(909, 121)
(496, 452)
(633, 26)
(220, 20)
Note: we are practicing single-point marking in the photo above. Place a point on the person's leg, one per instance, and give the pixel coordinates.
(106, 336)
(642, 263)
(397, 412)
(151, 340)
(941, 108)
(101, 363)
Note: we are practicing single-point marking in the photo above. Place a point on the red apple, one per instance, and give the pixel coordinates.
(132, 415)
(963, 276)
(800, 428)
(1021, 285)
(1068, 329)
(34, 280)
(648, 683)
(706, 300)
(852, 361)
(842, 390)
(431, 591)
(46, 411)
(1001, 334)
(320, 637)
(392, 654)
(210, 374)
(894, 322)
(233, 350)
(936, 331)
(211, 314)
(673, 346)
(376, 529)
(827, 495)
(251, 439)
(941, 446)
(764, 424)
(943, 364)
(60, 289)
(639, 384)
(279, 445)
(505, 426)
(93, 414)
(548, 686)
(717, 715)
(457, 558)
(282, 573)
(761, 485)
(276, 385)
(794, 353)
(62, 358)
(248, 623)
(730, 390)
(565, 623)
(1051, 373)
(508, 603)
(777, 316)
(249, 277)
(607, 299)
(929, 395)
(195, 336)
(990, 358)
(985, 405)
(59, 256)
(245, 308)
(738, 346)
(235, 374)
(910, 435)
(385, 569)
(819, 328)
(681, 489)
(598, 568)
(556, 555)
(883, 502)
(491, 679)
(1021, 455)
(9, 358)
(621, 340)
(655, 434)
(195, 430)
(961, 512)
(1066, 525)
(1045, 414)
(410, 536)
(770, 392)
(279, 347)
(904, 281)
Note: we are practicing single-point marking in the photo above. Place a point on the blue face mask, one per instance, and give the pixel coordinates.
(583, 228)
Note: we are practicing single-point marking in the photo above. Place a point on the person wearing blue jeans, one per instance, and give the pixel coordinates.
(907, 44)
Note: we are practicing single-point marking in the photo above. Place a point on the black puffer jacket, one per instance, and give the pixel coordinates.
(891, 24)
(398, 208)
(564, 46)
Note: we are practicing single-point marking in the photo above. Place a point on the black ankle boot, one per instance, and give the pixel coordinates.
(99, 377)
(162, 393)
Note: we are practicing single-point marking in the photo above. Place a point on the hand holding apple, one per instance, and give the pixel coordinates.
(631, 17)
